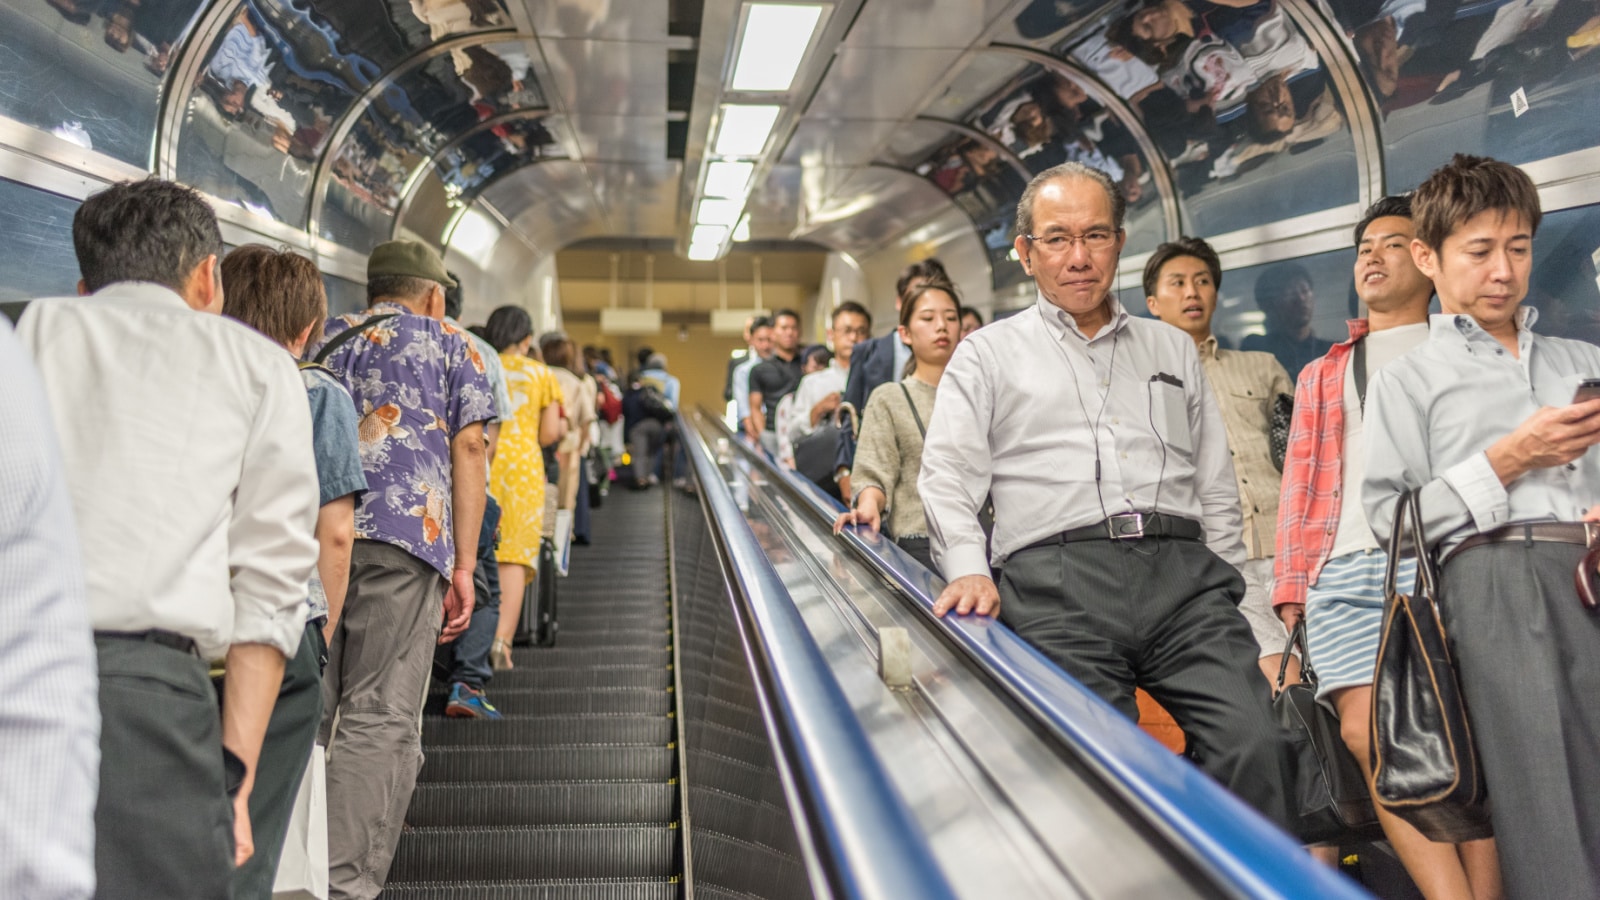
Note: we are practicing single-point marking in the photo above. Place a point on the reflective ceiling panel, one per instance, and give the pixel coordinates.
(923, 24)
(832, 142)
(279, 75)
(1041, 24)
(93, 81)
(611, 20)
(1247, 96)
(425, 107)
(912, 142)
(981, 75)
(604, 138)
(1516, 81)
(612, 77)
(549, 202)
(871, 83)
(774, 205)
(488, 152)
(876, 206)
(640, 199)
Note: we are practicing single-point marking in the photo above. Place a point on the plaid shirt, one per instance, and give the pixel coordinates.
(1309, 502)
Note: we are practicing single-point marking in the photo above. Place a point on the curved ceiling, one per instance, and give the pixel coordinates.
(577, 118)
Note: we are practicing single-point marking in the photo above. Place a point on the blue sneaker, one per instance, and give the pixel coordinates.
(468, 702)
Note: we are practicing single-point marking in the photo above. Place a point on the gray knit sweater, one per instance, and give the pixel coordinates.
(889, 453)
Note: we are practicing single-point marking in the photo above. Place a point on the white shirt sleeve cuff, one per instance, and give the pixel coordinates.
(957, 562)
(1475, 482)
(282, 631)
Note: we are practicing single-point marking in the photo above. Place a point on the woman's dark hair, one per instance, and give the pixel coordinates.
(277, 292)
(556, 350)
(150, 230)
(908, 310)
(816, 353)
(507, 327)
(930, 269)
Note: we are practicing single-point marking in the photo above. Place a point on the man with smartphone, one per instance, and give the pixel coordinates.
(1503, 505)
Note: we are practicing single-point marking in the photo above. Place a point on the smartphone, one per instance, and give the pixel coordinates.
(1588, 389)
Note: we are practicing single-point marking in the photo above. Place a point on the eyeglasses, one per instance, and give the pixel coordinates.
(1097, 240)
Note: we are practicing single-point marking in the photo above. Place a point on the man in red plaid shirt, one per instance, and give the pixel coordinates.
(1329, 568)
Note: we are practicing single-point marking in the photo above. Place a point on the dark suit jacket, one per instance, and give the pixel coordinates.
(871, 365)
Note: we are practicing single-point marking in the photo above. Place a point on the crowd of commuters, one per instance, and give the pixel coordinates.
(281, 525)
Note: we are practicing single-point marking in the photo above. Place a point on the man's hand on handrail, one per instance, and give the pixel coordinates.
(969, 594)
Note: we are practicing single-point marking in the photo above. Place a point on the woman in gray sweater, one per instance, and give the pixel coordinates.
(889, 449)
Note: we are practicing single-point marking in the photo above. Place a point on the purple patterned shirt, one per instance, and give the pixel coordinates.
(416, 381)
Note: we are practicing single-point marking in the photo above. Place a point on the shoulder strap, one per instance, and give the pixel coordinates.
(914, 414)
(343, 337)
(1359, 360)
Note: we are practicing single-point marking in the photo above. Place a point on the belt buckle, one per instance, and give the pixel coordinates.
(1591, 534)
(1126, 526)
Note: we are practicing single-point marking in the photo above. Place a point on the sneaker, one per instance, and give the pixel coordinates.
(468, 702)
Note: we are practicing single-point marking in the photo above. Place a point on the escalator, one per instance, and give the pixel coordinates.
(574, 794)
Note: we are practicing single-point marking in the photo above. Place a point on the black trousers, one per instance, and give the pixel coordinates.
(285, 751)
(164, 822)
(1528, 656)
(1161, 614)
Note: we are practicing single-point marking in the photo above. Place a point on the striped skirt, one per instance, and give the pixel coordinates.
(1344, 615)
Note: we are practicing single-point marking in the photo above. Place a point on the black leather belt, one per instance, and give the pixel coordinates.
(1580, 533)
(1127, 527)
(170, 639)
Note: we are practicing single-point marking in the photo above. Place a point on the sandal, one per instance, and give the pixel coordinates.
(500, 655)
(118, 30)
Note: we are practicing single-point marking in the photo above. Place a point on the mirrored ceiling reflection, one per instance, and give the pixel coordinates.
(90, 71)
(1518, 80)
(282, 73)
(1228, 90)
(425, 108)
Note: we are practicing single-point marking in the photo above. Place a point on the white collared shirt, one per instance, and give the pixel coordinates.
(1432, 414)
(812, 389)
(1009, 421)
(186, 443)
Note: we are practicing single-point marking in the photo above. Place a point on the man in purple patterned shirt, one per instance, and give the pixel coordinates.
(422, 397)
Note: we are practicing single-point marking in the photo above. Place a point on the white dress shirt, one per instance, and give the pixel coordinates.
(1009, 421)
(49, 709)
(812, 389)
(186, 442)
(1433, 413)
(741, 387)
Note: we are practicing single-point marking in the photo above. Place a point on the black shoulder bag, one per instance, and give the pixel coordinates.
(816, 453)
(1330, 801)
(1425, 767)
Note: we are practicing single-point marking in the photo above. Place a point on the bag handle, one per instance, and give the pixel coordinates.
(914, 414)
(343, 337)
(1297, 641)
(1408, 526)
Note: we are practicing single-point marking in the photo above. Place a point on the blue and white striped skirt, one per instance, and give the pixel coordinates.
(1344, 615)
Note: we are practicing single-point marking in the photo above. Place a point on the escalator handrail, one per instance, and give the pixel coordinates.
(1230, 839)
(873, 845)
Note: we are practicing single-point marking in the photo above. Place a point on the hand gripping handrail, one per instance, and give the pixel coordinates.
(870, 845)
(1245, 853)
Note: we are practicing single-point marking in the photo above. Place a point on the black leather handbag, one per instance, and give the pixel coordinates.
(1425, 766)
(1330, 796)
(816, 454)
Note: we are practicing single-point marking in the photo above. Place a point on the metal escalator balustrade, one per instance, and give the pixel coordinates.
(574, 794)
(1230, 848)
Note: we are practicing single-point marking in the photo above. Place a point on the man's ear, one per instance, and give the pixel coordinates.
(1021, 245)
(1426, 261)
(1151, 303)
(83, 288)
(203, 290)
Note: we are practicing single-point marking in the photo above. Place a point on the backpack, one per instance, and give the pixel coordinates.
(653, 403)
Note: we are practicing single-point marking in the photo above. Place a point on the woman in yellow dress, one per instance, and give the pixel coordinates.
(516, 479)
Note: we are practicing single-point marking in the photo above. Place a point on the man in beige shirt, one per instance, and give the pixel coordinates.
(1180, 285)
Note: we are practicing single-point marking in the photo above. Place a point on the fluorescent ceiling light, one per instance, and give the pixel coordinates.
(474, 236)
(718, 212)
(709, 234)
(704, 252)
(741, 232)
(776, 36)
(744, 129)
(726, 178)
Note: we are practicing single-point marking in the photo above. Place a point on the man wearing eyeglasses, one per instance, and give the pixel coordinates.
(1117, 521)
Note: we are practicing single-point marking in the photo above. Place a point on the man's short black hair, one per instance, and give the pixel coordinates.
(969, 311)
(150, 230)
(1183, 246)
(850, 306)
(452, 297)
(760, 322)
(786, 312)
(1393, 205)
(643, 355)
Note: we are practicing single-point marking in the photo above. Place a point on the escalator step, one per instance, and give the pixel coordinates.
(614, 637)
(553, 803)
(563, 701)
(559, 657)
(607, 615)
(595, 762)
(544, 731)
(495, 854)
(586, 677)
(588, 889)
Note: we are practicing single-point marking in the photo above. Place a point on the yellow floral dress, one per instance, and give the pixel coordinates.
(516, 480)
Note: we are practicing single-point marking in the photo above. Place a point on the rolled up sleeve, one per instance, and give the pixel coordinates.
(271, 548)
(1397, 461)
(958, 466)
